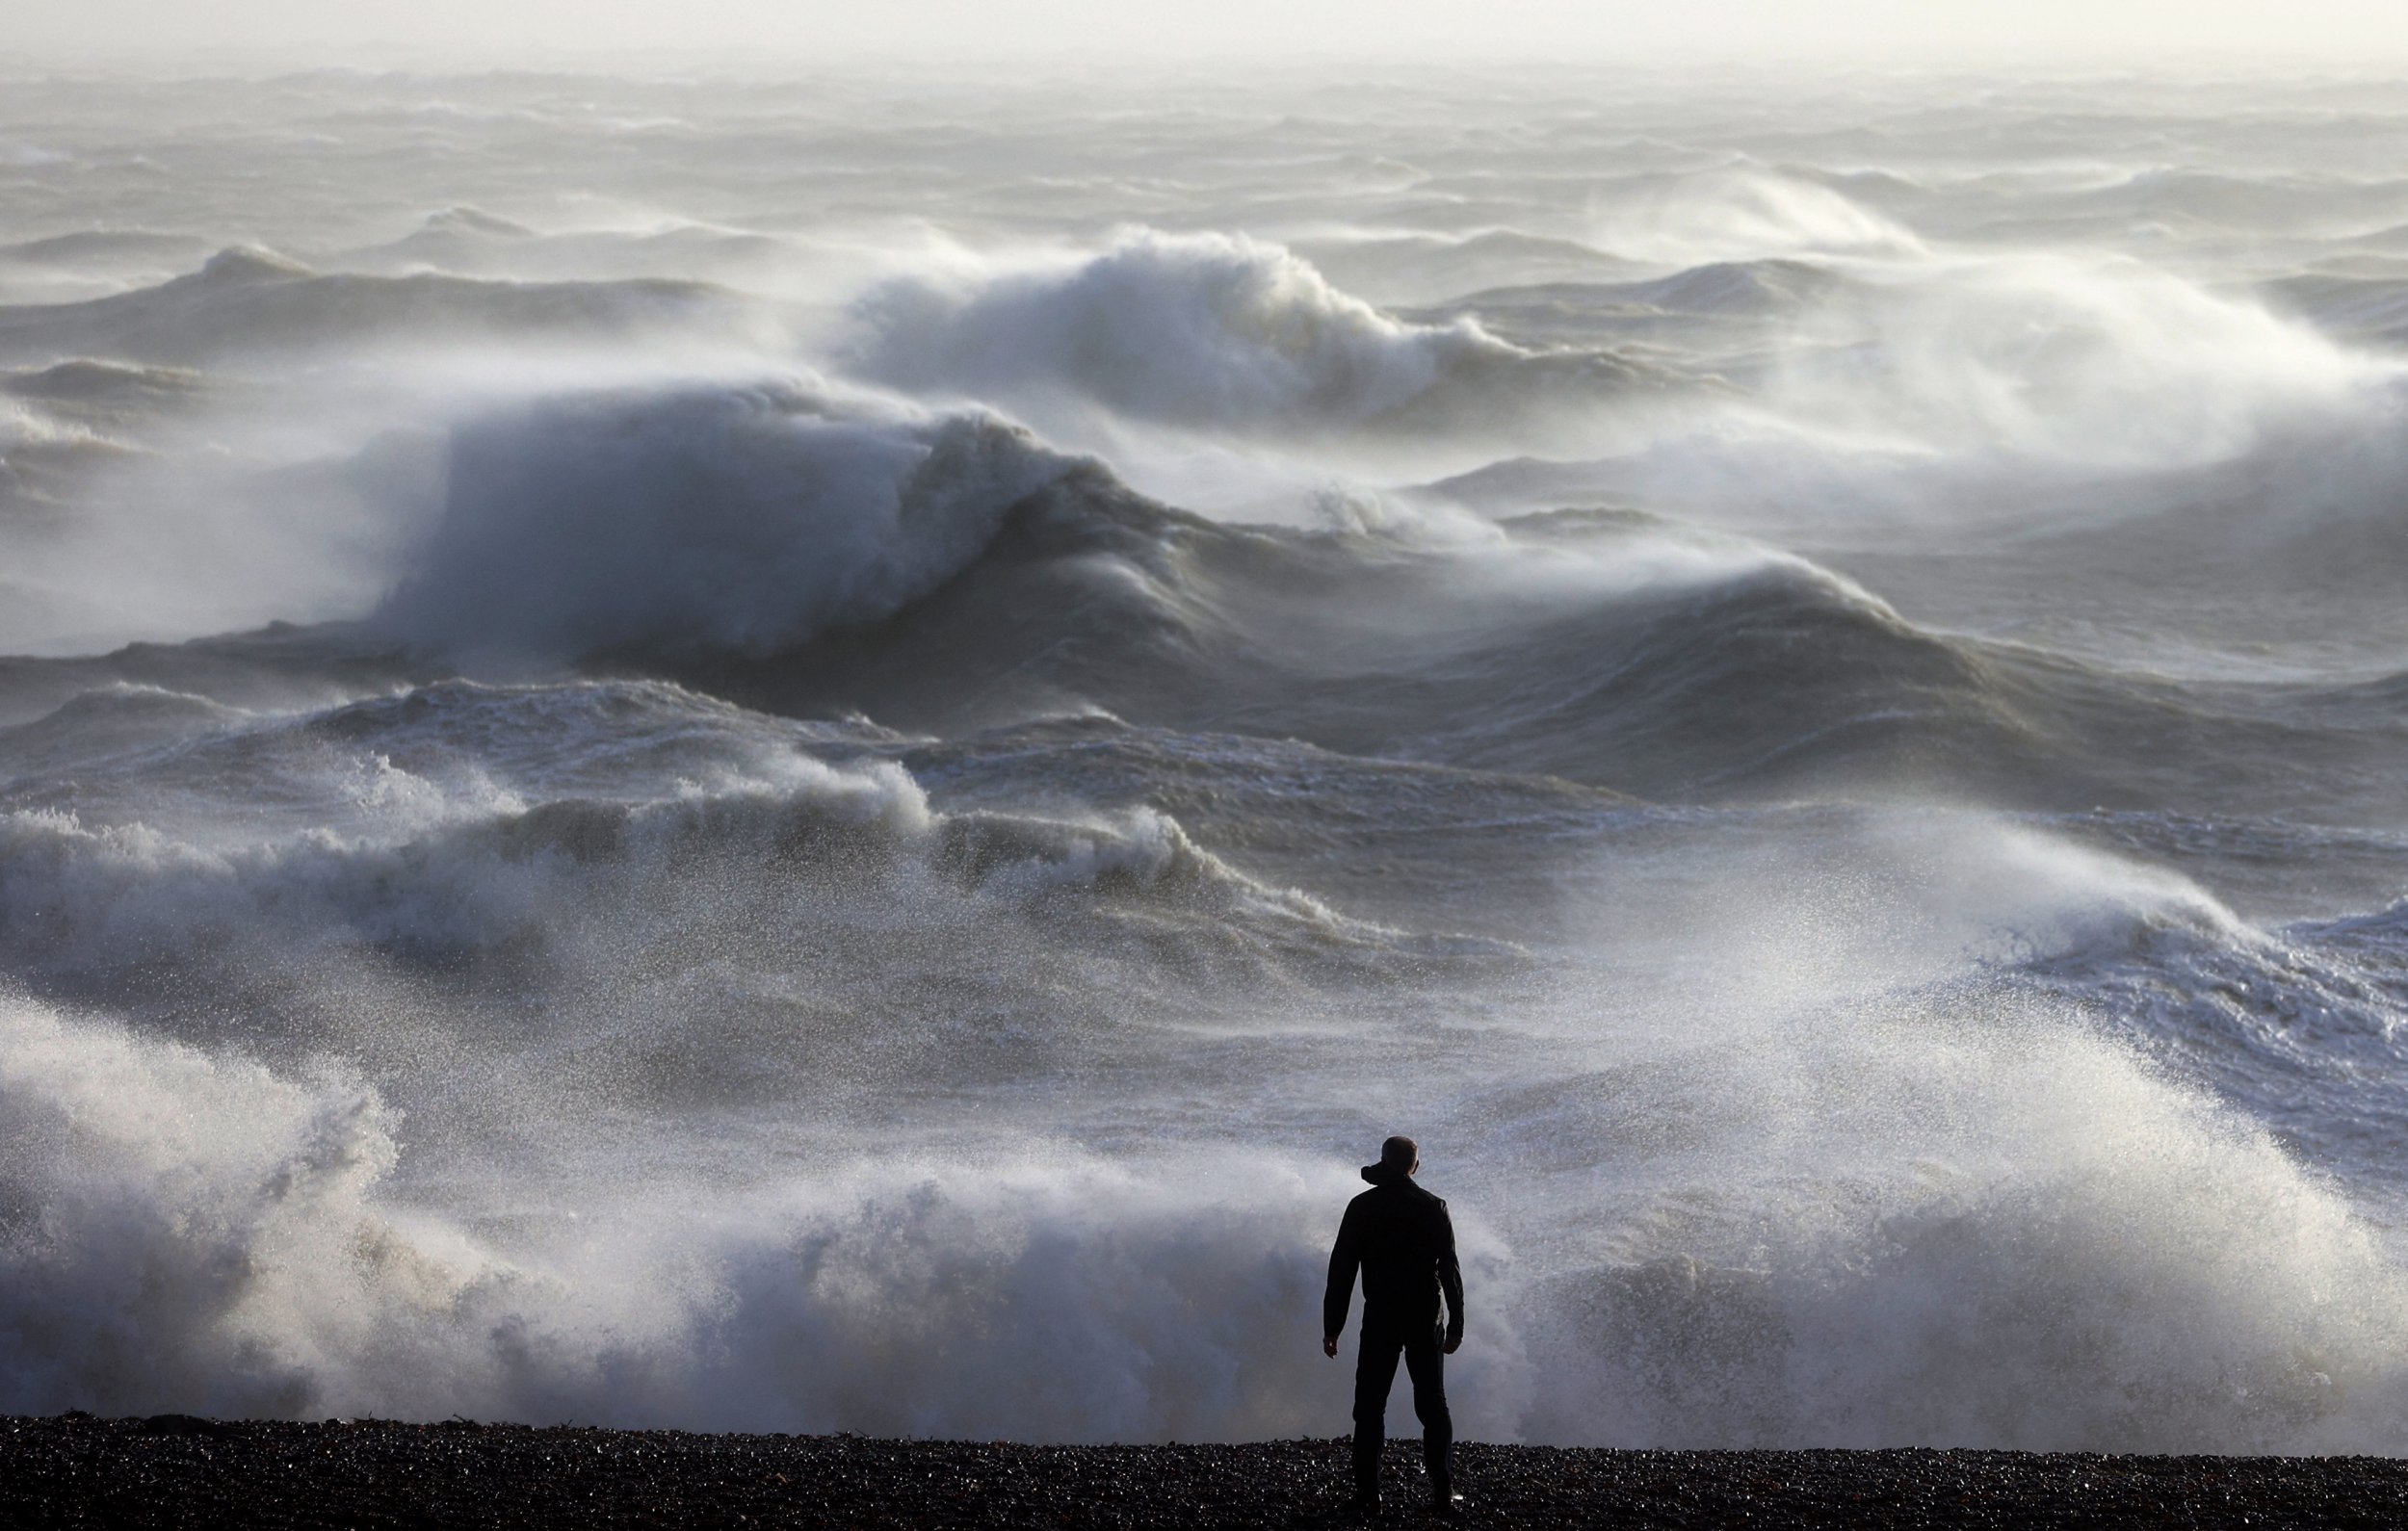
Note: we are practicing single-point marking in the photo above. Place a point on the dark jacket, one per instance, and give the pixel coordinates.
(1402, 1239)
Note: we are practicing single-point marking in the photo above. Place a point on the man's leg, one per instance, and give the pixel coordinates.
(1375, 1369)
(1426, 1364)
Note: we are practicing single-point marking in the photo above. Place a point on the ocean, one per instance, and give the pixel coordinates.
(817, 751)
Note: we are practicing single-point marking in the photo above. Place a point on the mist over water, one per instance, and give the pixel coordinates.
(818, 755)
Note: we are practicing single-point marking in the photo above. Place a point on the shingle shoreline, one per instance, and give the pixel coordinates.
(175, 1470)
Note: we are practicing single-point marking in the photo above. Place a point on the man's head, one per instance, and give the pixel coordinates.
(1399, 1158)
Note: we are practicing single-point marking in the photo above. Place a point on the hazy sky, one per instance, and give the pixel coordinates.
(2347, 30)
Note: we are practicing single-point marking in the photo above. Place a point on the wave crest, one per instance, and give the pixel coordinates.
(744, 519)
(1197, 329)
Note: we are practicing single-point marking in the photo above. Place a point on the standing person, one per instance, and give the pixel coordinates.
(1401, 1239)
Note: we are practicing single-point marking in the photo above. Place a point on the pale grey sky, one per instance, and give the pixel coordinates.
(2360, 31)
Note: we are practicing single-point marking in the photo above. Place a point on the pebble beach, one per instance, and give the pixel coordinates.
(180, 1470)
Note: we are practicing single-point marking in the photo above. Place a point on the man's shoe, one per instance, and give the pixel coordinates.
(1446, 1506)
(1366, 1505)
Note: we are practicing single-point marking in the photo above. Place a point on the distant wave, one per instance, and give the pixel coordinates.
(471, 242)
(84, 383)
(1732, 287)
(1740, 212)
(1427, 268)
(102, 246)
(1212, 330)
(247, 302)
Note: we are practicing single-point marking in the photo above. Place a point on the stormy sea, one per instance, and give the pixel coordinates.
(818, 751)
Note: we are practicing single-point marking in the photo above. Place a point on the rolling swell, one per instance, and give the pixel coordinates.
(813, 553)
(253, 303)
(1683, 673)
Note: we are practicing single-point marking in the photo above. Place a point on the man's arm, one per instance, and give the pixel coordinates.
(1450, 1279)
(1345, 1256)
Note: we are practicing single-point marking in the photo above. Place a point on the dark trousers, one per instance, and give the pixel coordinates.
(1375, 1371)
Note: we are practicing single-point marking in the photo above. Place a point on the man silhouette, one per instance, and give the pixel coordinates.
(1401, 1239)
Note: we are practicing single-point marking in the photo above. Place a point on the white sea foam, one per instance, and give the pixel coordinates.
(194, 1230)
(2026, 1240)
(2110, 363)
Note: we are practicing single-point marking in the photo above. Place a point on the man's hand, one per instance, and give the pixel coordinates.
(1329, 1346)
(1455, 1342)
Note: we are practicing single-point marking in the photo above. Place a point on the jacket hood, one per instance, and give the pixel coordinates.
(1386, 1174)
